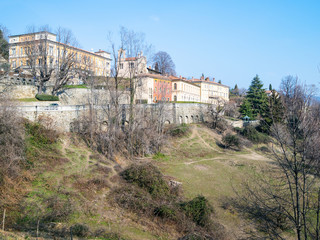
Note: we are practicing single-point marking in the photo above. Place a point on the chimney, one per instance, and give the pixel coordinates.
(213, 79)
(202, 78)
(180, 77)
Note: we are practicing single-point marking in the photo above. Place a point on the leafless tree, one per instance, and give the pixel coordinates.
(12, 156)
(38, 60)
(163, 63)
(42, 62)
(65, 64)
(215, 111)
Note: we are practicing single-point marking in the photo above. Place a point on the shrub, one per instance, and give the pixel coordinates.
(179, 130)
(165, 211)
(80, 230)
(147, 177)
(46, 97)
(231, 140)
(254, 136)
(199, 210)
(264, 149)
(57, 209)
(40, 135)
(134, 199)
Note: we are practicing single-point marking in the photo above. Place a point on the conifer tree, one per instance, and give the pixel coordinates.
(270, 87)
(246, 109)
(274, 112)
(257, 97)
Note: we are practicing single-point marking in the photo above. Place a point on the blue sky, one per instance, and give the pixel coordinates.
(231, 40)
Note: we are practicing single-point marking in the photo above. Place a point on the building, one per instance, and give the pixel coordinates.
(131, 66)
(20, 45)
(153, 88)
(211, 91)
(184, 90)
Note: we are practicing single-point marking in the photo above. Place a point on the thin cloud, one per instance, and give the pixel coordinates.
(155, 18)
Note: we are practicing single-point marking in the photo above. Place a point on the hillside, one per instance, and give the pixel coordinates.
(72, 186)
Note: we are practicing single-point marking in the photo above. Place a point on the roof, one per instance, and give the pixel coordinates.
(186, 81)
(32, 34)
(157, 76)
(209, 82)
(131, 59)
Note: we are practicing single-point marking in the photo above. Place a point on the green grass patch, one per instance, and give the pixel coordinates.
(75, 86)
(28, 100)
(160, 157)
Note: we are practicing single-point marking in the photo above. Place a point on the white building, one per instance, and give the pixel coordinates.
(184, 90)
(211, 91)
(131, 66)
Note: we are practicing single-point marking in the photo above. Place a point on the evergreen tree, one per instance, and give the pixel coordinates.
(274, 112)
(235, 91)
(246, 109)
(270, 87)
(4, 46)
(257, 97)
(219, 81)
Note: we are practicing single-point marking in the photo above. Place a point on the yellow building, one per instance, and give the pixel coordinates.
(98, 62)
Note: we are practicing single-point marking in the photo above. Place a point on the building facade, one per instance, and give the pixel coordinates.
(20, 45)
(153, 88)
(129, 67)
(185, 91)
(211, 91)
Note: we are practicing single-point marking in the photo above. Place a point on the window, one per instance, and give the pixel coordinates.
(131, 65)
(121, 65)
(175, 98)
(13, 51)
(175, 86)
(13, 64)
(21, 51)
(50, 50)
(21, 63)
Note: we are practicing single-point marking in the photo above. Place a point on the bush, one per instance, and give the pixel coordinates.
(147, 177)
(253, 135)
(179, 130)
(230, 140)
(46, 97)
(165, 211)
(134, 199)
(199, 210)
(80, 230)
(40, 135)
(264, 149)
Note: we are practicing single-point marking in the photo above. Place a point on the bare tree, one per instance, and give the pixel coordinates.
(215, 112)
(39, 62)
(65, 65)
(44, 65)
(163, 63)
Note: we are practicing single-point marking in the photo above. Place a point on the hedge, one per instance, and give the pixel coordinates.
(47, 97)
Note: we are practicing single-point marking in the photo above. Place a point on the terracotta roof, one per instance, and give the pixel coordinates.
(158, 76)
(131, 59)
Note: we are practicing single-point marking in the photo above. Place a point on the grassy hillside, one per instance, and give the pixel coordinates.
(72, 186)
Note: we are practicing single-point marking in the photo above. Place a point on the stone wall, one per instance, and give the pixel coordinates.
(19, 91)
(63, 116)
